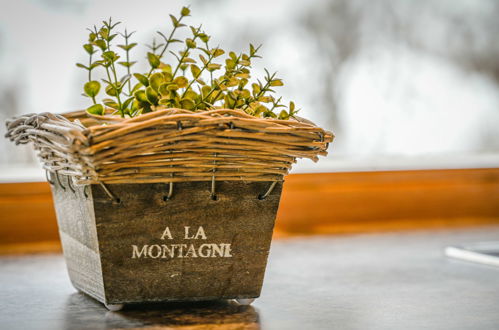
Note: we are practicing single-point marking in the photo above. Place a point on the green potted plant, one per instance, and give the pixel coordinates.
(168, 187)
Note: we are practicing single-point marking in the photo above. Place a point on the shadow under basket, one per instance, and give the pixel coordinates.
(144, 242)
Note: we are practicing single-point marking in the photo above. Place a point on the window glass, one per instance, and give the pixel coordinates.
(399, 82)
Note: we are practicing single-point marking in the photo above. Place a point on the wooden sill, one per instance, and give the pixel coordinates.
(316, 203)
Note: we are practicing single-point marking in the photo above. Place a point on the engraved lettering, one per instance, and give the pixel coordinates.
(170, 251)
(154, 254)
(191, 252)
(137, 254)
(204, 255)
(186, 231)
(217, 249)
(227, 250)
(181, 250)
(200, 233)
(167, 250)
(167, 233)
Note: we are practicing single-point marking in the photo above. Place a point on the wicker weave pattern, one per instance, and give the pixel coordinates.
(169, 145)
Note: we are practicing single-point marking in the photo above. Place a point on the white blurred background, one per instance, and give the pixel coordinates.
(402, 84)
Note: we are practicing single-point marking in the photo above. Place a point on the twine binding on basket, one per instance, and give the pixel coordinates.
(169, 145)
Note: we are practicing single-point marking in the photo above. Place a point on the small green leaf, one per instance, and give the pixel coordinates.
(140, 96)
(276, 82)
(195, 70)
(127, 64)
(165, 67)
(174, 20)
(111, 90)
(96, 109)
(231, 64)
(101, 44)
(82, 66)
(127, 102)
(205, 90)
(164, 102)
(213, 66)
(203, 59)
(269, 113)
(104, 33)
(242, 82)
(142, 79)
(187, 104)
(256, 89)
(245, 94)
(136, 88)
(190, 43)
(110, 56)
(204, 37)
(172, 87)
(283, 115)
(94, 65)
(156, 79)
(89, 48)
(245, 62)
(233, 82)
(188, 60)
(163, 89)
(91, 37)
(181, 81)
(265, 99)
(152, 95)
(185, 11)
(92, 88)
(128, 47)
(217, 52)
(111, 104)
(153, 60)
(242, 75)
(125, 79)
(168, 76)
(190, 94)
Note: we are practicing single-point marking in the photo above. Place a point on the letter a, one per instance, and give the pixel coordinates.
(200, 233)
(167, 233)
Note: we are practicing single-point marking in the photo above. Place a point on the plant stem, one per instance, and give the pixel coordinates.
(210, 58)
(185, 53)
(260, 93)
(209, 94)
(90, 69)
(128, 62)
(113, 69)
(167, 43)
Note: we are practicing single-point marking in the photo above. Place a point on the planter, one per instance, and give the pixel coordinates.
(171, 205)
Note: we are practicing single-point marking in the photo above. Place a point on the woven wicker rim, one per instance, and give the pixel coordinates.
(169, 145)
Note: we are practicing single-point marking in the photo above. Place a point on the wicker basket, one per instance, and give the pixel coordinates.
(113, 185)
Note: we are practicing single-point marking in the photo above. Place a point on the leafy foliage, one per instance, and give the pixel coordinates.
(197, 78)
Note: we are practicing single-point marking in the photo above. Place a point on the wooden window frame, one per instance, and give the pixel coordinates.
(316, 203)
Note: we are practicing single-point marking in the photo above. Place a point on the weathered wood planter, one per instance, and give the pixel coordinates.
(183, 208)
(144, 248)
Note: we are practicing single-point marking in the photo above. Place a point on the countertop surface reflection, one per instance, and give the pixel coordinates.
(376, 281)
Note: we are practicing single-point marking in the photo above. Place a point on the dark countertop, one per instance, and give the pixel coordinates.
(377, 281)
